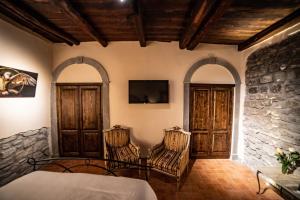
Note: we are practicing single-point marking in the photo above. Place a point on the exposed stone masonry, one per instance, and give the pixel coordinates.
(15, 150)
(272, 102)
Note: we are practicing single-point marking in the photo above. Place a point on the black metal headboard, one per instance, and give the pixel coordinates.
(87, 162)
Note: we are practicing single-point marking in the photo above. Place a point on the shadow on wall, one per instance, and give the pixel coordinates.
(143, 144)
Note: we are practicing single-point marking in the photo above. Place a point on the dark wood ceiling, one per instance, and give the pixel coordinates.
(232, 22)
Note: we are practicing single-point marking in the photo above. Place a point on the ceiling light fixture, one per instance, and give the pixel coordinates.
(122, 1)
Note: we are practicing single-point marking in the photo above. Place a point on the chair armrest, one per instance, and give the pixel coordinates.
(106, 151)
(183, 160)
(155, 149)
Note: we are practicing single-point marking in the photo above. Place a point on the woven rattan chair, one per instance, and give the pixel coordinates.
(171, 157)
(119, 147)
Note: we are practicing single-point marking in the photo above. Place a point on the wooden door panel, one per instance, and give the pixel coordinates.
(90, 121)
(220, 109)
(70, 145)
(210, 120)
(219, 143)
(90, 107)
(91, 144)
(221, 126)
(200, 123)
(79, 119)
(200, 112)
(69, 104)
(200, 143)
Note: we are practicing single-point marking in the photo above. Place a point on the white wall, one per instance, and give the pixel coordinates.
(24, 51)
(212, 74)
(127, 60)
(78, 73)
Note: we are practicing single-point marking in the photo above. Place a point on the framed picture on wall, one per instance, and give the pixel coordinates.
(17, 83)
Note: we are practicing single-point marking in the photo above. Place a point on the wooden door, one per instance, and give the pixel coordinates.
(79, 120)
(211, 120)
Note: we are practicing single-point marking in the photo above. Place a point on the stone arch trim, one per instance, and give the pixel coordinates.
(237, 79)
(104, 97)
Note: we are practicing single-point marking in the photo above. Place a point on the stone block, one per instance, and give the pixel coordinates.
(279, 76)
(276, 88)
(290, 74)
(45, 131)
(295, 112)
(261, 96)
(267, 102)
(40, 145)
(42, 136)
(252, 82)
(9, 139)
(29, 141)
(266, 79)
(289, 88)
(19, 146)
(18, 140)
(263, 89)
(276, 97)
(22, 162)
(274, 67)
(24, 153)
(295, 82)
(30, 133)
(292, 66)
(7, 152)
(262, 70)
(5, 174)
(6, 162)
(296, 61)
(297, 72)
(5, 146)
(253, 90)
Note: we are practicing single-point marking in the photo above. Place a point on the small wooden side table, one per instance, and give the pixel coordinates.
(286, 185)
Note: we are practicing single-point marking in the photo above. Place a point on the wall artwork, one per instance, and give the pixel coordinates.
(17, 83)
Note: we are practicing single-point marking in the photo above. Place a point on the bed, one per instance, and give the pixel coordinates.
(76, 186)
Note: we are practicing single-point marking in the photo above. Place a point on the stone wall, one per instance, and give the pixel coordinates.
(15, 150)
(272, 102)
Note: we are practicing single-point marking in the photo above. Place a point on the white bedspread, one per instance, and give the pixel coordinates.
(42, 185)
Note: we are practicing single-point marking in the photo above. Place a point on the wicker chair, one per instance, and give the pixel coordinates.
(171, 157)
(118, 147)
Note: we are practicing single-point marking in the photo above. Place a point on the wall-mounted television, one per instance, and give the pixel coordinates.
(148, 91)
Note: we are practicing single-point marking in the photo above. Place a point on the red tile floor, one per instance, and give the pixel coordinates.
(208, 179)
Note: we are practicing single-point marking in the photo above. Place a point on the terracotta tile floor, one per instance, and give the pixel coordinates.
(207, 180)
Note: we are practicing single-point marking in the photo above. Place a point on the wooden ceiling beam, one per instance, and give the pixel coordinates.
(201, 9)
(29, 17)
(79, 20)
(138, 22)
(216, 13)
(275, 28)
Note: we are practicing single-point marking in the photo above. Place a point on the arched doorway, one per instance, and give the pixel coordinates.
(104, 97)
(236, 111)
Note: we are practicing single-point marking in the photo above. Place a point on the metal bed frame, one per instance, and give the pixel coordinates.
(87, 162)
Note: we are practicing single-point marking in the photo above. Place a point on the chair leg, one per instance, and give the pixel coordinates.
(140, 163)
(178, 183)
(148, 172)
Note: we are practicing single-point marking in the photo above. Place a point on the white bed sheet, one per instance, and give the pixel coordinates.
(42, 185)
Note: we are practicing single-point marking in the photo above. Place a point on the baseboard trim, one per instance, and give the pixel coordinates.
(235, 157)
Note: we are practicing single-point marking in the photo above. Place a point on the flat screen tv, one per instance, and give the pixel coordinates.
(148, 91)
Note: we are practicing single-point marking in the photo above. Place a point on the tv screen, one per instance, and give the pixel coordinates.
(148, 91)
